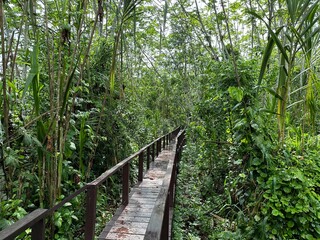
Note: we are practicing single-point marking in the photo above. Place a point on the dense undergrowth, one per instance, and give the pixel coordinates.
(100, 135)
(281, 201)
(239, 181)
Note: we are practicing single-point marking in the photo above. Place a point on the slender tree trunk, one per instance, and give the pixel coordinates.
(207, 36)
(234, 60)
(5, 102)
(223, 46)
(4, 78)
(252, 30)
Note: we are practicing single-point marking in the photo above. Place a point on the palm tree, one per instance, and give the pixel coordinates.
(300, 34)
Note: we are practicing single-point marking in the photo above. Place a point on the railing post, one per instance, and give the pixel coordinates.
(91, 212)
(125, 184)
(38, 230)
(172, 184)
(140, 173)
(148, 157)
(164, 142)
(165, 222)
(153, 151)
(158, 147)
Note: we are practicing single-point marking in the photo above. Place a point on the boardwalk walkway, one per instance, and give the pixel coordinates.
(131, 222)
(144, 212)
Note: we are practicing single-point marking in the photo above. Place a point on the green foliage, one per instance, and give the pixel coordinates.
(291, 198)
(236, 93)
(67, 220)
(88, 84)
(247, 187)
(10, 212)
(189, 224)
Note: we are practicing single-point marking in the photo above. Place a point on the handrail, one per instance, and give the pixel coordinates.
(35, 219)
(158, 227)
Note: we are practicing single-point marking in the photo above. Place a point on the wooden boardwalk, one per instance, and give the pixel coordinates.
(145, 212)
(131, 222)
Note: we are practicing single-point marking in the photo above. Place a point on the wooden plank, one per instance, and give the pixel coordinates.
(143, 201)
(133, 219)
(129, 230)
(138, 214)
(116, 236)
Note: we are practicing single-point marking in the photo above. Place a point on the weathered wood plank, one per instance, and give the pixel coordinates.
(129, 230)
(134, 219)
(116, 236)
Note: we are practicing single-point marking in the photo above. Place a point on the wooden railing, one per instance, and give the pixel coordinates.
(36, 219)
(158, 227)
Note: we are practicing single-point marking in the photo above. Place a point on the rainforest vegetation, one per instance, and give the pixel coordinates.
(86, 83)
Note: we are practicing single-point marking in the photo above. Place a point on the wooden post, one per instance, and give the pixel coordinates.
(164, 142)
(158, 147)
(38, 230)
(172, 184)
(166, 220)
(125, 184)
(148, 157)
(153, 151)
(90, 212)
(140, 173)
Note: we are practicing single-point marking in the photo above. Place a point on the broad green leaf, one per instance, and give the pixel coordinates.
(240, 123)
(303, 220)
(290, 224)
(257, 218)
(12, 160)
(291, 9)
(275, 212)
(67, 204)
(29, 80)
(268, 50)
(58, 222)
(236, 93)
(265, 59)
(257, 161)
(309, 14)
(287, 190)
